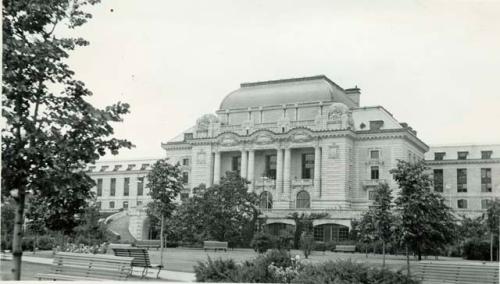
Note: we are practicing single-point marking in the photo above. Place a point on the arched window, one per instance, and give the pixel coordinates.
(303, 200)
(266, 200)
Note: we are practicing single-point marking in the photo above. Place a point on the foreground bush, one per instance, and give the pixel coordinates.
(279, 267)
(261, 242)
(475, 249)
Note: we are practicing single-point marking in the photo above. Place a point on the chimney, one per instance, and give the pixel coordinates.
(353, 94)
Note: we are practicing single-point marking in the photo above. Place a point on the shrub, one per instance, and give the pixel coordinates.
(306, 243)
(261, 242)
(218, 270)
(475, 249)
(319, 246)
(45, 243)
(285, 239)
(348, 272)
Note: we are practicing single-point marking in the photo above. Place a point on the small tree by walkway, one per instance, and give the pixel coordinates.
(493, 224)
(382, 217)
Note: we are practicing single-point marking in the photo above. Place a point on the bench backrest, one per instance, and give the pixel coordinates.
(345, 247)
(458, 273)
(148, 242)
(140, 256)
(100, 266)
(214, 244)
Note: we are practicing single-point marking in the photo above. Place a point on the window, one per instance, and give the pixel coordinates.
(371, 194)
(271, 166)
(144, 167)
(91, 168)
(139, 202)
(303, 200)
(319, 233)
(104, 168)
(140, 186)
(486, 154)
(462, 155)
(438, 180)
(185, 162)
(374, 173)
(98, 204)
(117, 168)
(376, 124)
(486, 180)
(266, 200)
(111, 204)
(112, 187)
(99, 187)
(126, 186)
(462, 204)
(462, 180)
(236, 164)
(343, 233)
(130, 167)
(439, 156)
(485, 203)
(307, 166)
(185, 178)
(374, 154)
(125, 204)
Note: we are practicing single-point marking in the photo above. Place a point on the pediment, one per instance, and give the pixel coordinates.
(263, 138)
(228, 140)
(300, 136)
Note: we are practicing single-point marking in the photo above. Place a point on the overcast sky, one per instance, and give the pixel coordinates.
(433, 64)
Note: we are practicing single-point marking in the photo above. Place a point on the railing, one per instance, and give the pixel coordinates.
(301, 123)
(265, 182)
(302, 182)
(372, 182)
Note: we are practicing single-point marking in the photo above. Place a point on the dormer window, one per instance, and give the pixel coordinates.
(374, 154)
(130, 167)
(485, 155)
(376, 124)
(144, 166)
(462, 155)
(104, 168)
(116, 168)
(438, 156)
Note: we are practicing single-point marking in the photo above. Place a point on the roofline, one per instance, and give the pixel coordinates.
(455, 145)
(127, 160)
(299, 79)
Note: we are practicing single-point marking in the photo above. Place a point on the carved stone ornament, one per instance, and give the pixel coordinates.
(228, 140)
(263, 138)
(201, 157)
(205, 120)
(333, 151)
(301, 136)
(336, 110)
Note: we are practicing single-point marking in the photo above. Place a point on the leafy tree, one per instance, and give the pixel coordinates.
(382, 217)
(50, 132)
(425, 220)
(306, 243)
(164, 183)
(7, 223)
(91, 229)
(366, 229)
(471, 228)
(303, 223)
(493, 223)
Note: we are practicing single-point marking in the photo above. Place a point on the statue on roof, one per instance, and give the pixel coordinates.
(340, 112)
(205, 120)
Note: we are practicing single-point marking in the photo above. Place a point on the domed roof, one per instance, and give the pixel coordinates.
(286, 91)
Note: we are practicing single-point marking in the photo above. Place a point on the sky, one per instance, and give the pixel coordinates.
(432, 64)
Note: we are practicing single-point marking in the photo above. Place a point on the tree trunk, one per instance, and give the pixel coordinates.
(366, 250)
(419, 252)
(491, 246)
(17, 250)
(383, 254)
(162, 239)
(407, 262)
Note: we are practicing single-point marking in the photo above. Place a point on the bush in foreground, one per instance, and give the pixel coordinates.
(261, 242)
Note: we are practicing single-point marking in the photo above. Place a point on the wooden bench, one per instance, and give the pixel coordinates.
(69, 266)
(148, 244)
(141, 259)
(345, 248)
(215, 245)
(435, 272)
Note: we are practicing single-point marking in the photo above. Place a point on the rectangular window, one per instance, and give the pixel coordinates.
(439, 156)
(140, 186)
(374, 154)
(185, 178)
(485, 203)
(117, 168)
(99, 187)
(236, 164)
(376, 124)
(307, 166)
(374, 172)
(139, 202)
(461, 180)
(438, 180)
(318, 233)
(104, 168)
(130, 167)
(185, 162)
(112, 187)
(126, 186)
(486, 154)
(144, 167)
(111, 204)
(462, 155)
(486, 180)
(462, 204)
(371, 194)
(271, 166)
(125, 204)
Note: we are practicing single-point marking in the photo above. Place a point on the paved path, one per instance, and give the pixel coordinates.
(120, 226)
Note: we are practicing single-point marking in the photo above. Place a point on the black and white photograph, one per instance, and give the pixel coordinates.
(251, 141)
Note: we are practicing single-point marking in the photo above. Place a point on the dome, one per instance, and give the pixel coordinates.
(286, 91)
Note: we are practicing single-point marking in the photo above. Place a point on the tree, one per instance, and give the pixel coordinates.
(303, 223)
(493, 224)
(50, 132)
(164, 183)
(366, 229)
(382, 217)
(425, 220)
(91, 229)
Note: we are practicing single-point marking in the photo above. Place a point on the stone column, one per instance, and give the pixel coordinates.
(251, 168)
(217, 168)
(286, 173)
(279, 172)
(317, 171)
(243, 164)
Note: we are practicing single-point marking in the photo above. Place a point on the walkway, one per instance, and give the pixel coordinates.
(120, 226)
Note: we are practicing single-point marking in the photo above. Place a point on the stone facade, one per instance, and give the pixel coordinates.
(304, 144)
(475, 166)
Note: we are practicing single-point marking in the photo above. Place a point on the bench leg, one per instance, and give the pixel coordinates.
(158, 274)
(144, 272)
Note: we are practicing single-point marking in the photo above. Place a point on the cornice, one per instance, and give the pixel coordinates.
(99, 173)
(463, 162)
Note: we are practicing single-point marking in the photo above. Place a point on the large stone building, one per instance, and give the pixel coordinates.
(305, 145)
(467, 175)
